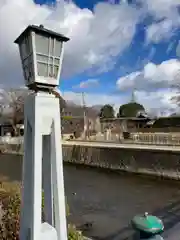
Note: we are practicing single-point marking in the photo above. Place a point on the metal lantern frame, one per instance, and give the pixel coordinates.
(41, 52)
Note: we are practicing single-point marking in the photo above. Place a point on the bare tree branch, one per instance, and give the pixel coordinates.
(12, 105)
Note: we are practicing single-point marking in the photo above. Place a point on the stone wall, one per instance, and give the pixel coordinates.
(152, 162)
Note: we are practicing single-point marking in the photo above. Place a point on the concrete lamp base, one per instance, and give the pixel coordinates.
(48, 232)
(43, 168)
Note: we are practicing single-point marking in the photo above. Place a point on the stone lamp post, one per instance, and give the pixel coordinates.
(41, 53)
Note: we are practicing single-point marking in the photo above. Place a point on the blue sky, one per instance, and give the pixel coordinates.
(132, 59)
(116, 47)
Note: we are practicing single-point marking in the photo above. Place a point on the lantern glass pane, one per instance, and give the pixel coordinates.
(26, 73)
(58, 48)
(51, 45)
(42, 44)
(42, 69)
(42, 58)
(56, 61)
(26, 47)
(56, 68)
(31, 70)
(50, 70)
(28, 68)
(25, 62)
(50, 60)
(48, 52)
(23, 50)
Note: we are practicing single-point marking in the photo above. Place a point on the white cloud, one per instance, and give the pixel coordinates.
(154, 85)
(156, 102)
(178, 49)
(159, 76)
(162, 30)
(167, 17)
(92, 99)
(88, 83)
(96, 37)
(162, 8)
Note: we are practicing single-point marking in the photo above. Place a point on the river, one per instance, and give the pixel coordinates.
(109, 200)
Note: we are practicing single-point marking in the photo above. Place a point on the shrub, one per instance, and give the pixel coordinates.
(10, 207)
(73, 234)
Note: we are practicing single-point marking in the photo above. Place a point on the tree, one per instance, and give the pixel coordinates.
(130, 109)
(62, 102)
(176, 99)
(106, 111)
(12, 106)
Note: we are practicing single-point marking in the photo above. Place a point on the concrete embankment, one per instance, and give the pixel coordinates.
(161, 161)
(148, 160)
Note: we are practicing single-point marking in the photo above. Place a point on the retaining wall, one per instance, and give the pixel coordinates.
(162, 163)
(152, 162)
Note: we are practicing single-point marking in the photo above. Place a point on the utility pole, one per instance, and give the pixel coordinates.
(84, 115)
(133, 96)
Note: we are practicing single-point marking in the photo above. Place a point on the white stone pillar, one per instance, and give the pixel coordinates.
(42, 140)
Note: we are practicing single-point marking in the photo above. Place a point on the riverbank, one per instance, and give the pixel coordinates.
(154, 162)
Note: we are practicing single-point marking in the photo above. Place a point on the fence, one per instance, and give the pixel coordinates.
(137, 138)
(157, 130)
(11, 144)
(11, 140)
(156, 138)
(172, 139)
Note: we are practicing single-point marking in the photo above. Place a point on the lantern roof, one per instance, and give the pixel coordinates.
(43, 31)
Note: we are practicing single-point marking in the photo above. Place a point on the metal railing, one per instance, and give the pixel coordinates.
(172, 139)
(11, 140)
(156, 138)
(11, 144)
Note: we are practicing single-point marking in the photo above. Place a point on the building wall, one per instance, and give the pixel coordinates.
(117, 126)
(122, 125)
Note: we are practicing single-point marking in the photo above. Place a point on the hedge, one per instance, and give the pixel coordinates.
(10, 202)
